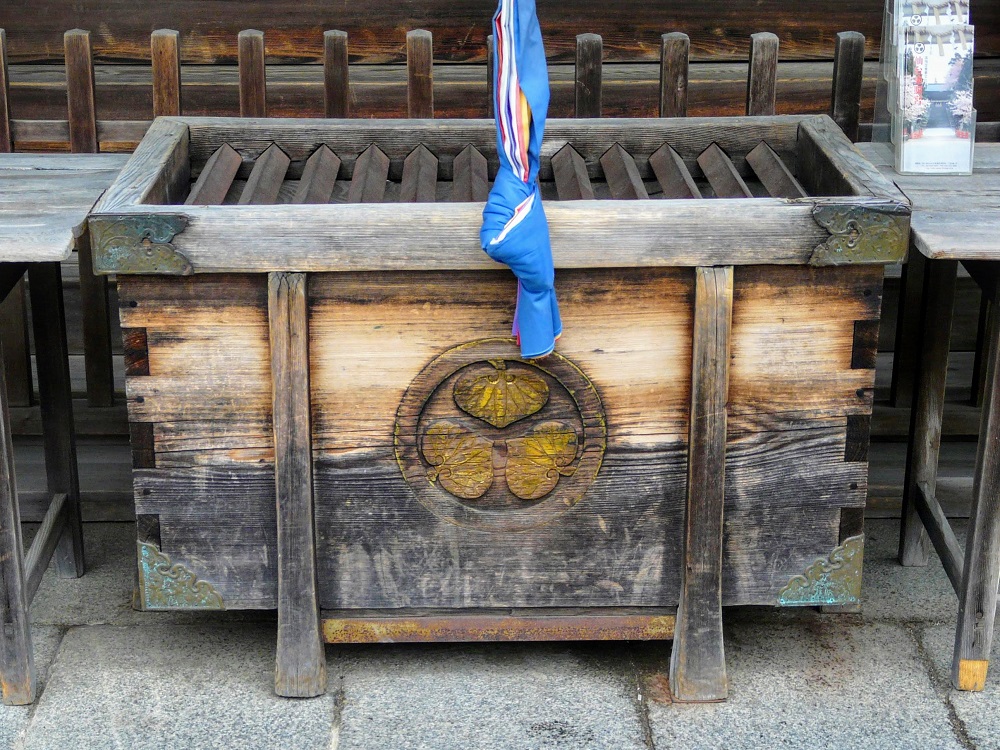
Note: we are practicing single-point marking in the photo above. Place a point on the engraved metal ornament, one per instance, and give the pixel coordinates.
(868, 233)
(833, 580)
(167, 585)
(140, 244)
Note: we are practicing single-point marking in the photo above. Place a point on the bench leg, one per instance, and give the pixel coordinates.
(698, 659)
(300, 671)
(17, 670)
(978, 595)
(928, 405)
(56, 403)
(906, 349)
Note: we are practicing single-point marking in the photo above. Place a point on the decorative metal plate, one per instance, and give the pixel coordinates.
(835, 580)
(139, 244)
(875, 232)
(167, 585)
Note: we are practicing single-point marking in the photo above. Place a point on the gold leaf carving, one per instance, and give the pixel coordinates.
(536, 461)
(460, 460)
(499, 396)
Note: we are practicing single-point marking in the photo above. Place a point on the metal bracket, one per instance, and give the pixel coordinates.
(873, 232)
(835, 580)
(167, 585)
(139, 244)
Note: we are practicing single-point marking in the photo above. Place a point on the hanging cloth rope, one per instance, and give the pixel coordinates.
(514, 230)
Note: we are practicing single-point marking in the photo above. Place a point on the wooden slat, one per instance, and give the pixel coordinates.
(470, 181)
(301, 661)
(490, 73)
(266, 177)
(253, 82)
(773, 174)
(318, 178)
(44, 544)
(589, 57)
(6, 138)
(941, 534)
(336, 75)
(721, 174)
(697, 660)
(15, 345)
(672, 174)
(419, 184)
(166, 59)
(420, 73)
(674, 54)
(80, 92)
(622, 175)
(763, 77)
(370, 174)
(848, 78)
(570, 172)
(216, 177)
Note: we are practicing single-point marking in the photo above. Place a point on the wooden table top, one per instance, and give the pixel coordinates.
(45, 199)
(954, 217)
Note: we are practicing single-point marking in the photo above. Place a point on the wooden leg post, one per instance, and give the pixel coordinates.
(906, 351)
(928, 405)
(17, 670)
(978, 594)
(698, 662)
(56, 403)
(300, 671)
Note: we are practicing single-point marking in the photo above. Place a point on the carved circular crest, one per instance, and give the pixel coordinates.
(491, 441)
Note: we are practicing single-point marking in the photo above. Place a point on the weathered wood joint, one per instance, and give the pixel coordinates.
(139, 244)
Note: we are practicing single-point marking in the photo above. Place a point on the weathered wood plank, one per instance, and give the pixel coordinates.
(318, 178)
(697, 660)
(336, 75)
(672, 174)
(301, 661)
(420, 74)
(941, 534)
(216, 177)
(589, 69)
(44, 544)
(773, 174)
(763, 76)
(622, 175)
(370, 174)
(15, 345)
(848, 79)
(721, 174)
(166, 66)
(674, 53)
(470, 181)
(570, 173)
(266, 178)
(6, 138)
(80, 92)
(420, 171)
(159, 172)
(253, 78)
(906, 345)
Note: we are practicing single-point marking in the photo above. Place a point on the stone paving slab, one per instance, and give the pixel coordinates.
(180, 687)
(14, 719)
(522, 697)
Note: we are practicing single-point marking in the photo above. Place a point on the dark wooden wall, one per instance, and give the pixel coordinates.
(719, 30)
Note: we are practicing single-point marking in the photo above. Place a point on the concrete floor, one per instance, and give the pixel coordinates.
(114, 678)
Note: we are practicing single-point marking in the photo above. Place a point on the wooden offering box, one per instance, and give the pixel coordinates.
(329, 417)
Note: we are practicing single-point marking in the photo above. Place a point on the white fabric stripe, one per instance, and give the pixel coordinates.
(522, 210)
(510, 88)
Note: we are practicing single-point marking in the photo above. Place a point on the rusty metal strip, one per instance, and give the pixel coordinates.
(834, 580)
(139, 244)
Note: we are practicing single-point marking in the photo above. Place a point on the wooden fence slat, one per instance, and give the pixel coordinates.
(336, 75)
(370, 173)
(266, 177)
(216, 177)
(697, 660)
(319, 177)
(622, 174)
(589, 56)
(166, 57)
(301, 661)
(419, 184)
(6, 137)
(674, 55)
(420, 73)
(763, 75)
(490, 73)
(253, 78)
(773, 174)
(80, 92)
(721, 174)
(848, 78)
(570, 171)
(672, 173)
(470, 180)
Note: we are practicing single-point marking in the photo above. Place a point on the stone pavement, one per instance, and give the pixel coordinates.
(114, 678)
